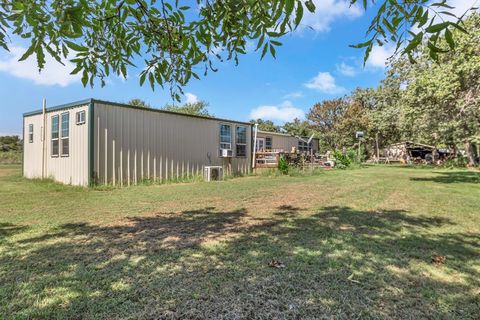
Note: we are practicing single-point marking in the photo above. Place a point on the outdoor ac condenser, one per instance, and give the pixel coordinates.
(213, 173)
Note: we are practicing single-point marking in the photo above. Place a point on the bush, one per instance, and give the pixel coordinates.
(341, 161)
(458, 162)
(283, 165)
(10, 157)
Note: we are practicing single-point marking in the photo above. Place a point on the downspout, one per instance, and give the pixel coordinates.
(44, 133)
(254, 145)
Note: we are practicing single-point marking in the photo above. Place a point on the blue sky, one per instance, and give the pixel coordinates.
(312, 65)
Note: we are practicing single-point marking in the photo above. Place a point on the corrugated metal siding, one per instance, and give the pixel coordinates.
(284, 142)
(132, 145)
(69, 170)
(32, 152)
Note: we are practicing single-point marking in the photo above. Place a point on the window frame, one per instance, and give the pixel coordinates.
(240, 143)
(57, 139)
(271, 143)
(30, 133)
(63, 138)
(78, 119)
(305, 146)
(220, 137)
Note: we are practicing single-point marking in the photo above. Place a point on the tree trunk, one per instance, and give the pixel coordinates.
(470, 154)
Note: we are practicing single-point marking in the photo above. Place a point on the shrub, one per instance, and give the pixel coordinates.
(283, 165)
(341, 161)
(458, 162)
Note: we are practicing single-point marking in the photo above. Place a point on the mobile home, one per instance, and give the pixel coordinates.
(94, 141)
(282, 142)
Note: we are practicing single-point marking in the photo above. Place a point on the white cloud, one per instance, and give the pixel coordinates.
(191, 98)
(379, 56)
(326, 11)
(461, 7)
(325, 82)
(284, 112)
(346, 70)
(293, 95)
(53, 74)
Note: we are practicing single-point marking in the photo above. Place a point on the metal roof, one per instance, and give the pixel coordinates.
(124, 105)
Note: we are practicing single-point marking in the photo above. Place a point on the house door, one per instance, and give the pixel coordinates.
(260, 144)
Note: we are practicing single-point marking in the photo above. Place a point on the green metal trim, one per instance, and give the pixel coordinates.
(123, 105)
(23, 146)
(59, 107)
(91, 155)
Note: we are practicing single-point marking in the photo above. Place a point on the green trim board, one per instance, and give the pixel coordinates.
(59, 107)
(23, 146)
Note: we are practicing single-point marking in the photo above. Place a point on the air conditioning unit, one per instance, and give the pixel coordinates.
(213, 173)
(226, 153)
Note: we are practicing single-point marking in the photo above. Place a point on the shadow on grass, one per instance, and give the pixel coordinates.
(9, 229)
(209, 264)
(453, 177)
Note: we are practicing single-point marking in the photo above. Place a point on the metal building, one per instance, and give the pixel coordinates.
(94, 141)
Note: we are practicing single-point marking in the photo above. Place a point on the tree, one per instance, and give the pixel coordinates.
(199, 108)
(442, 101)
(266, 125)
(174, 40)
(10, 143)
(139, 103)
(298, 128)
(324, 117)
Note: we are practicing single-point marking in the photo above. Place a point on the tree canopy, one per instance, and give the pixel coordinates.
(178, 42)
(428, 102)
(199, 108)
(266, 125)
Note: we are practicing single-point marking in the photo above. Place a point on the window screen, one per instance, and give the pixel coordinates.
(30, 133)
(65, 134)
(225, 136)
(241, 141)
(268, 143)
(55, 130)
(80, 117)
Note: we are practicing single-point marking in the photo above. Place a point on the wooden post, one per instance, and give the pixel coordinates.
(376, 143)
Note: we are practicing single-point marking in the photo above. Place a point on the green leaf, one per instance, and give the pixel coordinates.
(76, 47)
(299, 14)
(449, 39)
(437, 27)
(28, 53)
(272, 51)
(310, 6)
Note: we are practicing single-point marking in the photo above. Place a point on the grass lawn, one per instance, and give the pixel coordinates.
(355, 244)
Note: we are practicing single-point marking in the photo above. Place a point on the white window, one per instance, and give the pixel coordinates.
(80, 115)
(225, 136)
(241, 141)
(30, 133)
(260, 144)
(55, 132)
(65, 134)
(304, 146)
(268, 143)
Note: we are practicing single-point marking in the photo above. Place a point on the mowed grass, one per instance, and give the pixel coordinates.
(355, 244)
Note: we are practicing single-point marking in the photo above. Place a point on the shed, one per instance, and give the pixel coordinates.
(408, 150)
(94, 141)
